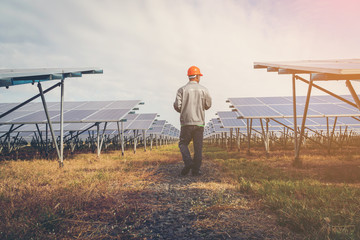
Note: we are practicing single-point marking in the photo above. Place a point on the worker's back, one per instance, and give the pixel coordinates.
(191, 101)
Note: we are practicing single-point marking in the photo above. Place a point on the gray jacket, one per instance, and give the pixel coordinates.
(191, 102)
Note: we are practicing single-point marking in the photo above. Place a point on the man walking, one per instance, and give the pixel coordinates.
(191, 102)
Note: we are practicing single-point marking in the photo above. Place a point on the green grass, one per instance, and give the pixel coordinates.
(320, 210)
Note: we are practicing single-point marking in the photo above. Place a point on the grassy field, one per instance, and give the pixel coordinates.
(321, 199)
(41, 201)
(38, 200)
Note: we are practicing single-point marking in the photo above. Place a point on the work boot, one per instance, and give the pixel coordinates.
(196, 173)
(185, 170)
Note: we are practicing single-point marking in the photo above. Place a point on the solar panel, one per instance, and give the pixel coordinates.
(233, 123)
(9, 77)
(123, 104)
(74, 115)
(36, 117)
(328, 109)
(320, 106)
(140, 125)
(257, 111)
(147, 116)
(275, 100)
(245, 101)
(107, 115)
(228, 114)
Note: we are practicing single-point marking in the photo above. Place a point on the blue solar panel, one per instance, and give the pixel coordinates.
(74, 115)
(349, 121)
(332, 109)
(257, 111)
(9, 77)
(245, 101)
(147, 116)
(228, 114)
(274, 100)
(233, 123)
(107, 115)
(141, 125)
(36, 117)
(123, 104)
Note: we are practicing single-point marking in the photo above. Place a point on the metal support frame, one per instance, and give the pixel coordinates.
(135, 139)
(121, 136)
(144, 137)
(298, 161)
(265, 135)
(151, 141)
(49, 122)
(248, 129)
(297, 151)
(29, 100)
(330, 137)
(238, 138)
(326, 91)
(61, 160)
(353, 93)
(100, 141)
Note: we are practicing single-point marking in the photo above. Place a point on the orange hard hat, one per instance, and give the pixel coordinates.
(193, 70)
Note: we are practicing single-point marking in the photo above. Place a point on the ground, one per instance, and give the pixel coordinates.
(204, 207)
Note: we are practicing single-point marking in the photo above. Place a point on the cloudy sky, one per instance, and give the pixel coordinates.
(146, 47)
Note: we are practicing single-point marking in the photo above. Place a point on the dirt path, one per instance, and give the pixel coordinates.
(204, 207)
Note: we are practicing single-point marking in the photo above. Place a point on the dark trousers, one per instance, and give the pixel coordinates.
(194, 133)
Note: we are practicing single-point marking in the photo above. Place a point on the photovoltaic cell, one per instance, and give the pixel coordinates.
(141, 125)
(37, 117)
(123, 104)
(74, 115)
(107, 115)
(14, 115)
(274, 100)
(147, 116)
(228, 114)
(256, 111)
(233, 123)
(130, 117)
(94, 105)
(245, 101)
(332, 109)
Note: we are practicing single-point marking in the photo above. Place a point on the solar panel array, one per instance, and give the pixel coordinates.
(74, 112)
(282, 107)
(279, 110)
(82, 116)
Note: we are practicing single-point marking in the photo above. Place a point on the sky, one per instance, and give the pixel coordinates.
(146, 46)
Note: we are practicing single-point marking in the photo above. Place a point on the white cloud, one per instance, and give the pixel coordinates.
(145, 47)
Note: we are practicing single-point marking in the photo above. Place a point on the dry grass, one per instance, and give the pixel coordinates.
(108, 197)
(322, 198)
(84, 199)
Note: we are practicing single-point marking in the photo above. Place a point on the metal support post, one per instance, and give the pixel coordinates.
(151, 141)
(248, 129)
(296, 160)
(144, 137)
(238, 138)
(298, 163)
(61, 160)
(102, 138)
(49, 121)
(135, 140)
(353, 93)
(332, 135)
(98, 138)
(231, 138)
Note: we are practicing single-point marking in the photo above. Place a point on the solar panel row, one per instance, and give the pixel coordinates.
(282, 107)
